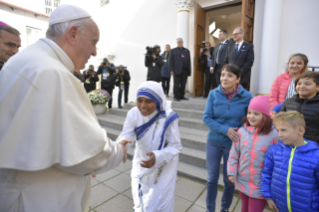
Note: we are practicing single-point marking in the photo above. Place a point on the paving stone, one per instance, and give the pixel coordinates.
(100, 194)
(119, 183)
(94, 182)
(202, 200)
(125, 166)
(128, 193)
(181, 204)
(119, 203)
(128, 172)
(188, 189)
(107, 175)
(196, 208)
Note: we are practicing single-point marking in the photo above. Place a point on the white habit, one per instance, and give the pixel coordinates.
(153, 188)
(50, 139)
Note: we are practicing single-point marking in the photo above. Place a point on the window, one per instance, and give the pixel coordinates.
(56, 3)
(48, 3)
(33, 35)
(48, 11)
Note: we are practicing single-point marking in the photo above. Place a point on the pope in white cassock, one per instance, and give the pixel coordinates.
(50, 140)
(155, 126)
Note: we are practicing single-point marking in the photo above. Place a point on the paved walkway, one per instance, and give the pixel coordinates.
(111, 192)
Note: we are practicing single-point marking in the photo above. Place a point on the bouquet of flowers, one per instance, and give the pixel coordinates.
(99, 97)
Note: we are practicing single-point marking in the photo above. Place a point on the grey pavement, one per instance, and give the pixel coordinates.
(111, 192)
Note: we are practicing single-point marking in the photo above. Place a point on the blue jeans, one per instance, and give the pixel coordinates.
(214, 153)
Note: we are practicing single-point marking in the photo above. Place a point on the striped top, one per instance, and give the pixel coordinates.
(291, 89)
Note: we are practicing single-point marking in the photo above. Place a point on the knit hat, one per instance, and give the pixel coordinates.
(261, 104)
(277, 108)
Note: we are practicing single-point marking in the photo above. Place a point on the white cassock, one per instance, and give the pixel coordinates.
(153, 188)
(50, 139)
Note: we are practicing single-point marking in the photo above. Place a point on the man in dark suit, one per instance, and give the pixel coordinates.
(218, 55)
(205, 58)
(241, 54)
(180, 67)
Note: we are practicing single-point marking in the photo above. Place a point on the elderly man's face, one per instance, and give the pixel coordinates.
(9, 45)
(86, 45)
(179, 43)
(238, 35)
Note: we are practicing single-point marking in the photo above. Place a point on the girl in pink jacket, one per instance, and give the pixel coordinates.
(284, 85)
(246, 157)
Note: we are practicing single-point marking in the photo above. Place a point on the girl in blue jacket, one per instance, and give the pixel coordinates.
(290, 178)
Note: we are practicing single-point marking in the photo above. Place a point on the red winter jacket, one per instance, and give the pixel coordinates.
(278, 90)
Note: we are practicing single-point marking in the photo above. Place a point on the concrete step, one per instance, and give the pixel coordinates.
(190, 137)
(194, 114)
(109, 118)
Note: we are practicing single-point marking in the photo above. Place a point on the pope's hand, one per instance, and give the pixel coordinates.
(123, 145)
(150, 162)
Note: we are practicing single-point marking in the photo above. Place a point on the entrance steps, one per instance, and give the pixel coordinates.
(193, 132)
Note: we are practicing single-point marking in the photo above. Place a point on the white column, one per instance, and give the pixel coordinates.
(183, 7)
(269, 45)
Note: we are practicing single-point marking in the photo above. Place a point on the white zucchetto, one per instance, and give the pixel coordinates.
(67, 12)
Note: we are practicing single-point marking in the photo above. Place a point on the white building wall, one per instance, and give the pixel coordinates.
(298, 34)
(34, 5)
(127, 27)
(21, 20)
(299, 31)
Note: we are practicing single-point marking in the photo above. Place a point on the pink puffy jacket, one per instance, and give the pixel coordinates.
(278, 90)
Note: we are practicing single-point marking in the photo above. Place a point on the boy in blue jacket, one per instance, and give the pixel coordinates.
(290, 178)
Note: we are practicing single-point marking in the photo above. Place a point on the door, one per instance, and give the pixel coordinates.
(247, 19)
(200, 17)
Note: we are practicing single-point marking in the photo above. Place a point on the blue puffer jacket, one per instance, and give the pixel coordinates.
(291, 177)
(165, 72)
(220, 114)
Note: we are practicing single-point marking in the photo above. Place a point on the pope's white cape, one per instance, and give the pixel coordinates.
(48, 126)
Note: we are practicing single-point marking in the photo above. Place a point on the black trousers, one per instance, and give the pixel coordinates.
(165, 84)
(179, 84)
(110, 91)
(210, 81)
(119, 97)
(217, 72)
(126, 89)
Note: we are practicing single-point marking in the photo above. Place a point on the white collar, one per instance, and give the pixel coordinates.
(240, 43)
(57, 46)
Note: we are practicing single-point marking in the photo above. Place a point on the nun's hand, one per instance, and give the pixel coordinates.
(150, 162)
(123, 145)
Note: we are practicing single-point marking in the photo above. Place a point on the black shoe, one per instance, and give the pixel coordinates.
(120, 107)
(224, 210)
(184, 98)
(177, 100)
(110, 107)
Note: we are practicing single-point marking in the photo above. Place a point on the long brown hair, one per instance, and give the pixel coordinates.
(264, 126)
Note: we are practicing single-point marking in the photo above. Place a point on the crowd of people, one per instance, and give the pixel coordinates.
(51, 142)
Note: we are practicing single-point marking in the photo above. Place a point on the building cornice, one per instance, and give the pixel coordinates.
(15, 7)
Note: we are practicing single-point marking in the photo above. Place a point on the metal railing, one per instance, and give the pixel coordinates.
(313, 68)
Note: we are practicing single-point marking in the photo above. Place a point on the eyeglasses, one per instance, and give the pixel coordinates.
(236, 34)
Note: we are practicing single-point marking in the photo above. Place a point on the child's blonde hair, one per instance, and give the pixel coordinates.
(294, 118)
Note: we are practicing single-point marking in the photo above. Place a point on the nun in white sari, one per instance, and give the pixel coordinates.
(154, 126)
